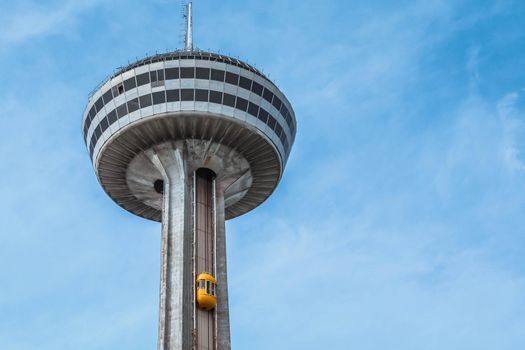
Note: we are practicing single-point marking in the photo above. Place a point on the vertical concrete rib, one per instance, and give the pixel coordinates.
(176, 272)
(222, 309)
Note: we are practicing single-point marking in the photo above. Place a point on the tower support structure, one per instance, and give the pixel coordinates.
(193, 242)
(191, 139)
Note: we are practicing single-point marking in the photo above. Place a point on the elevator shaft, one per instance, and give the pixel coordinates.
(204, 332)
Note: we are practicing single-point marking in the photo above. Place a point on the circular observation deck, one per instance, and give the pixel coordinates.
(216, 103)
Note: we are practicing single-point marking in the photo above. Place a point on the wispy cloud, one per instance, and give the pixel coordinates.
(513, 121)
(399, 220)
(26, 20)
(389, 239)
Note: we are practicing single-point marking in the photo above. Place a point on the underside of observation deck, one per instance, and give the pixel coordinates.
(116, 177)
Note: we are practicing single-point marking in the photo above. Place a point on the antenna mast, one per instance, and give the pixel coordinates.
(188, 37)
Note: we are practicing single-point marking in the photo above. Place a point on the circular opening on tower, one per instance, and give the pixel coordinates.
(158, 185)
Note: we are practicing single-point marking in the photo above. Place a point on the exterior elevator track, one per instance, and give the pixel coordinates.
(204, 203)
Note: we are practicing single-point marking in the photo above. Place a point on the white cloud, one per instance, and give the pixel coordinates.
(28, 20)
(363, 285)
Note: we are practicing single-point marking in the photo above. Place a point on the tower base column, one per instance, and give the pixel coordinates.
(175, 324)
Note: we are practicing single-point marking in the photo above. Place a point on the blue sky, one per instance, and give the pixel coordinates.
(399, 223)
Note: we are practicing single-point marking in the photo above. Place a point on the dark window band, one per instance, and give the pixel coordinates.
(189, 95)
(190, 73)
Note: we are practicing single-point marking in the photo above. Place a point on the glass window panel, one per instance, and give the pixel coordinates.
(276, 102)
(187, 72)
(133, 105)
(241, 104)
(203, 73)
(159, 97)
(257, 88)
(160, 74)
(283, 108)
(201, 95)
(142, 79)
(145, 101)
(104, 124)
(288, 119)
(263, 115)
(172, 73)
(187, 95)
(245, 83)
(229, 100)
(129, 84)
(271, 122)
(92, 112)
(279, 132)
(98, 132)
(215, 96)
(217, 75)
(253, 109)
(268, 95)
(153, 76)
(99, 104)
(108, 96)
(172, 95)
(112, 117)
(232, 78)
(121, 110)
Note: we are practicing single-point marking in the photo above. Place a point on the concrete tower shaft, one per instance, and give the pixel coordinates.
(193, 241)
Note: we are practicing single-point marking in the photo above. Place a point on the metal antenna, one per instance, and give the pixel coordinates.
(188, 37)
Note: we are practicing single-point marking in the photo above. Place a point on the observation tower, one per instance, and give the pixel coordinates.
(191, 139)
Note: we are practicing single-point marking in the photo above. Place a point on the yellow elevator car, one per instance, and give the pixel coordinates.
(206, 291)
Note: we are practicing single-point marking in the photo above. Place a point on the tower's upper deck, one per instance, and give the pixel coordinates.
(186, 95)
(209, 66)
